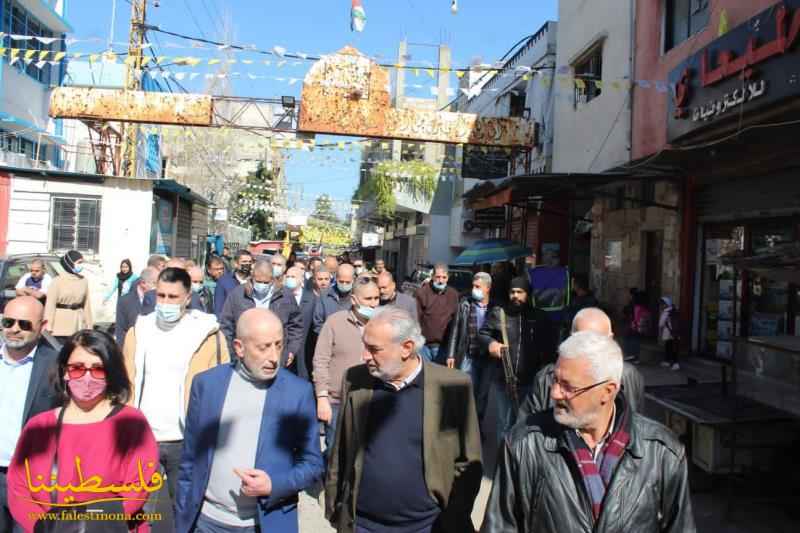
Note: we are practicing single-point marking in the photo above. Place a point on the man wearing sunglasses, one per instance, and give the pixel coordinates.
(591, 463)
(25, 390)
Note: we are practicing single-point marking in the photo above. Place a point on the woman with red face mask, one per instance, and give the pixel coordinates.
(93, 452)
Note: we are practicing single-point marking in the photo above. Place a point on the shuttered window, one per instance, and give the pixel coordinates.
(76, 224)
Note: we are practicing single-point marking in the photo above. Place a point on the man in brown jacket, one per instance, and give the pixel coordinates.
(436, 306)
(163, 352)
(407, 454)
(338, 348)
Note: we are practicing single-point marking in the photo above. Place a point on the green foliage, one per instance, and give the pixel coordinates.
(250, 206)
(323, 209)
(417, 178)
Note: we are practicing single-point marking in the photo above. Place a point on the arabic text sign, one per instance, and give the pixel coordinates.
(743, 70)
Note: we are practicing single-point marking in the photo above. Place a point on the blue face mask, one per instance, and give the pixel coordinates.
(344, 288)
(261, 288)
(439, 286)
(365, 311)
(290, 283)
(78, 269)
(169, 312)
(477, 295)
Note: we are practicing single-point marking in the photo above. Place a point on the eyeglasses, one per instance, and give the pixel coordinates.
(77, 371)
(573, 392)
(24, 325)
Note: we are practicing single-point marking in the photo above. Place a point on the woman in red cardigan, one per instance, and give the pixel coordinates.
(105, 449)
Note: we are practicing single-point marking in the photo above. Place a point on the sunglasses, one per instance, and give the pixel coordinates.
(77, 371)
(24, 325)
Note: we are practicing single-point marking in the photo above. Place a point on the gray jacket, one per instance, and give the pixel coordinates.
(405, 302)
(329, 302)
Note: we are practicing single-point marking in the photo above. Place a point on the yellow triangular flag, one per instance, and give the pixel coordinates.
(93, 57)
(145, 60)
(460, 74)
(59, 56)
(526, 77)
(160, 59)
(599, 84)
(416, 72)
(579, 83)
(384, 146)
(430, 72)
(2, 51)
(130, 60)
(15, 52)
(723, 23)
(111, 57)
(616, 85)
(213, 61)
(340, 144)
(29, 53)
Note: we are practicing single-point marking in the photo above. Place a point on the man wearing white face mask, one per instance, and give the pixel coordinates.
(339, 347)
(306, 300)
(278, 263)
(163, 352)
(264, 293)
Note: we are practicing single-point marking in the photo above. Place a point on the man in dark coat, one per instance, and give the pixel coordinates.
(261, 292)
(25, 369)
(243, 265)
(532, 341)
(129, 307)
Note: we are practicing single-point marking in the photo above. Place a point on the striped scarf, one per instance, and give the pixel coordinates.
(597, 474)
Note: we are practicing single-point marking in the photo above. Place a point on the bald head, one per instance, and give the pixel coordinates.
(592, 319)
(25, 307)
(331, 264)
(19, 340)
(196, 274)
(176, 262)
(255, 321)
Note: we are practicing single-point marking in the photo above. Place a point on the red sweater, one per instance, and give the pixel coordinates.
(111, 449)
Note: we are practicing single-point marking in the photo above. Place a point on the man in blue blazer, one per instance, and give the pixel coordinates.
(232, 476)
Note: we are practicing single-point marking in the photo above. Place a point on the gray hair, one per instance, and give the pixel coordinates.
(149, 275)
(363, 284)
(404, 327)
(37, 261)
(279, 257)
(441, 266)
(602, 352)
(262, 265)
(483, 277)
(597, 316)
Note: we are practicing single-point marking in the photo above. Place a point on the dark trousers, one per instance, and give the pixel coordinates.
(205, 524)
(670, 352)
(169, 455)
(361, 529)
(330, 429)
(6, 522)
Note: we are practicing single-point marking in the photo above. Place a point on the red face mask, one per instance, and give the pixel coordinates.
(87, 387)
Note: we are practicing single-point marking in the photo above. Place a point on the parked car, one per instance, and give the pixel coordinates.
(460, 279)
(13, 267)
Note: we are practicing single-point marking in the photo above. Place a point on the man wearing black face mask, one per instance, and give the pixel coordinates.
(244, 265)
(532, 343)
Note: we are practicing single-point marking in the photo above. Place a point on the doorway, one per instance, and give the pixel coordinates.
(653, 268)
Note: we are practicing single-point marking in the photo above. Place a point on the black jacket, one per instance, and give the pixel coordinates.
(282, 303)
(539, 398)
(128, 309)
(537, 488)
(308, 301)
(458, 342)
(531, 336)
(41, 395)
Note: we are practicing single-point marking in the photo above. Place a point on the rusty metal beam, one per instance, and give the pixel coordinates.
(131, 106)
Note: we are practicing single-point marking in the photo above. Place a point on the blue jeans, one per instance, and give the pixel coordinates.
(205, 524)
(431, 353)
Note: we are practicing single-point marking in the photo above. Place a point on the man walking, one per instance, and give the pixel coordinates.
(262, 292)
(589, 319)
(591, 464)
(390, 296)
(215, 269)
(235, 479)
(436, 307)
(163, 352)
(321, 282)
(528, 337)
(26, 363)
(129, 307)
(200, 290)
(306, 301)
(35, 282)
(379, 268)
(336, 298)
(243, 264)
(338, 348)
(407, 456)
(149, 300)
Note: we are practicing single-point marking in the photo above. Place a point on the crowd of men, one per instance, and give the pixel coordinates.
(240, 366)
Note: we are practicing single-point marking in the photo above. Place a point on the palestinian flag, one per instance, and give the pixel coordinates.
(358, 17)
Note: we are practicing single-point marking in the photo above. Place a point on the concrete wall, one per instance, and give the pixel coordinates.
(629, 226)
(594, 136)
(650, 106)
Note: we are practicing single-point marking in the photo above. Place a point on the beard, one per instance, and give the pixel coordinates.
(564, 416)
(16, 344)
(386, 373)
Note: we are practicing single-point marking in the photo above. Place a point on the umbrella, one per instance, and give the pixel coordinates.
(491, 251)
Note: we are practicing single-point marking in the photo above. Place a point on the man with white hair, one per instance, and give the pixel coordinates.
(407, 454)
(590, 464)
(588, 319)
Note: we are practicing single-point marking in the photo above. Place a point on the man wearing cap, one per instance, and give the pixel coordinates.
(531, 340)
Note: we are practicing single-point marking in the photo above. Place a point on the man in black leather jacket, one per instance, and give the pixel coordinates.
(531, 345)
(589, 319)
(590, 464)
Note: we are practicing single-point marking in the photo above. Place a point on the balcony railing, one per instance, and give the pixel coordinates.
(18, 160)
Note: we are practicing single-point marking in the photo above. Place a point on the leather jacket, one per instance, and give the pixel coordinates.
(532, 340)
(458, 340)
(537, 487)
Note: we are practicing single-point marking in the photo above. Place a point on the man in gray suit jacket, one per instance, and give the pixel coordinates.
(25, 368)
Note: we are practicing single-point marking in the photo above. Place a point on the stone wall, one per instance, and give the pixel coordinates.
(629, 226)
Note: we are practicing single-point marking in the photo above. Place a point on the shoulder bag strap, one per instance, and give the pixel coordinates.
(54, 466)
(503, 326)
(219, 355)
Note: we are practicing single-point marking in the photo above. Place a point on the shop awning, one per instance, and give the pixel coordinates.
(183, 191)
(779, 263)
(519, 190)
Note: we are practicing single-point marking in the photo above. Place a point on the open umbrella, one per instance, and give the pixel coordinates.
(492, 251)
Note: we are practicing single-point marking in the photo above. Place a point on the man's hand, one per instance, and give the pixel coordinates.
(324, 411)
(451, 363)
(495, 349)
(255, 483)
(289, 360)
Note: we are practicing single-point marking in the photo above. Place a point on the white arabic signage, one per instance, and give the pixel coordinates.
(730, 101)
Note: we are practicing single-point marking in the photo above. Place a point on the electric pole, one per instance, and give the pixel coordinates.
(133, 82)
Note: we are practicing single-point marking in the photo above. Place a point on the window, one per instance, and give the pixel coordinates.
(17, 20)
(516, 104)
(587, 71)
(76, 224)
(648, 192)
(683, 18)
(617, 200)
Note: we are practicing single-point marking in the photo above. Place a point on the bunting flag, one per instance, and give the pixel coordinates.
(358, 17)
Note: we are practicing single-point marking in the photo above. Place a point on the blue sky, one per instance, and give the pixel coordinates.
(482, 29)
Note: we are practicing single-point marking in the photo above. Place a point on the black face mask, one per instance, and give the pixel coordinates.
(245, 269)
